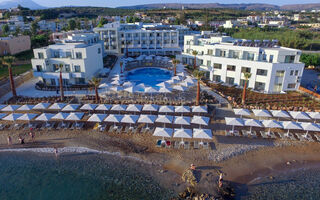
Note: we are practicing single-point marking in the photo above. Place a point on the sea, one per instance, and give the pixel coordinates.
(82, 176)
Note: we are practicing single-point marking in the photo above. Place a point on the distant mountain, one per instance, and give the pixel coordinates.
(24, 3)
(250, 6)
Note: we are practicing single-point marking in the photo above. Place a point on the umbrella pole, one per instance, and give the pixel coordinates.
(250, 129)
(233, 129)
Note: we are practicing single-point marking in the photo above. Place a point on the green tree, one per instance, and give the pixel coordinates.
(175, 62)
(247, 76)
(72, 24)
(34, 27)
(5, 29)
(198, 75)
(8, 60)
(61, 83)
(195, 53)
(95, 82)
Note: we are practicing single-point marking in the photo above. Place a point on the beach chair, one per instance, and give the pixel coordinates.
(158, 144)
(228, 133)
(253, 134)
(176, 144)
(317, 137)
(236, 133)
(51, 125)
(66, 125)
(168, 144)
(300, 137)
(186, 145)
(119, 129)
(196, 145)
(126, 130)
(245, 133)
(111, 129)
(2, 126)
(59, 126)
(17, 126)
(205, 145)
(73, 126)
(79, 125)
(264, 134)
(102, 127)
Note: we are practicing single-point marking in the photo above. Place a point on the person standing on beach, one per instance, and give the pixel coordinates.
(32, 135)
(9, 140)
(21, 140)
(220, 180)
(56, 151)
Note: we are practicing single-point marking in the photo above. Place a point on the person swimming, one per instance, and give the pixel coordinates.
(56, 151)
(9, 140)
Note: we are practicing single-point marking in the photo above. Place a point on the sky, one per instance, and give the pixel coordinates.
(116, 3)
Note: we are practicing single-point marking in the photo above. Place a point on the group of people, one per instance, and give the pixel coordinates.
(21, 139)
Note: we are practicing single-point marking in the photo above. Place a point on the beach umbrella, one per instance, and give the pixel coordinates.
(2, 106)
(128, 84)
(178, 78)
(60, 116)
(307, 126)
(179, 88)
(314, 115)
(200, 120)
(134, 108)
(182, 133)
(131, 89)
(25, 107)
(172, 81)
(71, 107)
(104, 85)
(165, 119)
(10, 108)
(41, 106)
(12, 117)
(199, 109)
(113, 118)
(252, 123)
(166, 109)
(147, 119)
(165, 90)
(241, 112)
(150, 90)
(116, 89)
(129, 119)
(103, 107)
(182, 120)
(163, 84)
(261, 113)
(116, 82)
(280, 114)
(88, 106)
(190, 80)
(27, 116)
(186, 84)
(234, 122)
(57, 106)
(271, 124)
(150, 107)
(182, 109)
(183, 74)
(202, 134)
(141, 86)
(75, 116)
(118, 107)
(2, 115)
(97, 118)
(163, 132)
(290, 125)
(299, 115)
(44, 117)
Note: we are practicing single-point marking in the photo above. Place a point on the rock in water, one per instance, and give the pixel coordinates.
(189, 177)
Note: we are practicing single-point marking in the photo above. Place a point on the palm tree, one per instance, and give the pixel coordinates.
(198, 74)
(247, 76)
(95, 82)
(195, 53)
(8, 60)
(175, 62)
(61, 83)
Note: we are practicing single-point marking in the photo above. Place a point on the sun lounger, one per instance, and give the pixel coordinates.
(2, 126)
(245, 133)
(196, 145)
(126, 130)
(176, 144)
(17, 126)
(253, 134)
(186, 145)
(119, 130)
(282, 135)
(205, 145)
(264, 134)
(111, 129)
(51, 125)
(79, 125)
(158, 144)
(300, 137)
(236, 133)
(66, 125)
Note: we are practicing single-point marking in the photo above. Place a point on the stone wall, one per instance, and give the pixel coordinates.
(18, 80)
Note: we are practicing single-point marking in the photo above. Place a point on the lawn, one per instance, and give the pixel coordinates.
(19, 69)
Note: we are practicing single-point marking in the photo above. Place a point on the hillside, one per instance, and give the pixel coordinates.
(24, 3)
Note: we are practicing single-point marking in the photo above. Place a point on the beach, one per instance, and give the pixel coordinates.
(242, 160)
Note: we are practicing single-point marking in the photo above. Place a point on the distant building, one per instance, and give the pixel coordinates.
(296, 17)
(273, 69)
(14, 45)
(80, 63)
(47, 25)
(231, 24)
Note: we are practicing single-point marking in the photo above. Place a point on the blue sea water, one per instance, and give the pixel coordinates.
(36, 176)
(149, 76)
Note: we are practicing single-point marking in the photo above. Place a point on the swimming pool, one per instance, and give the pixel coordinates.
(149, 76)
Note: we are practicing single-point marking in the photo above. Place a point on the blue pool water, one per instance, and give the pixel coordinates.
(149, 76)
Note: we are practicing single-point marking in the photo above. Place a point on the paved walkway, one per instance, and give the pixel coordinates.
(219, 98)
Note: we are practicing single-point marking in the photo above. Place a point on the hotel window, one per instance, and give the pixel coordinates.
(222, 53)
(67, 67)
(259, 86)
(231, 68)
(210, 52)
(40, 56)
(78, 55)
(55, 67)
(39, 68)
(216, 78)
(296, 73)
(289, 59)
(271, 59)
(77, 68)
(230, 81)
(262, 72)
(53, 81)
(291, 85)
(250, 56)
(80, 80)
(291, 72)
(217, 66)
(99, 50)
(242, 82)
(245, 70)
(68, 54)
(209, 63)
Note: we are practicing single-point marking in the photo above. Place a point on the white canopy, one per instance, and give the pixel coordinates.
(149, 119)
(182, 133)
(179, 78)
(2, 106)
(307, 126)
(186, 84)
(165, 90)
(141, 86)
(12, 117)
(25, 107)
(182, 120)
(280, 113)
(172, 81)
(113, 118)
(129, 119)
(27, 116)
(60, 116)
(182, 74)
(261, 113)
(167, 119)
(190, 80)
(202, 133)
(10, 108)
(44, 117)
(150, 107)
(131, 89)
(291, 125)
(116, 82)
(179, 88)
(199, 109)
(128, 84)
(41, 106)
(116, 88)
(299, 115)
(2, 115)
(104, 85)
(118, 107)
(163, 84)
(71, 107)
(88, 106)
(252, 122)
(271, 124)
(314, 115)
(134, 108)
(75, 116)
(150, 90)
(57, 106)
(103, 107)
(182, 109)
(200, 120)
(97, 118)
(234, 121)
(163, 132)
(166, 109)
(241, 112)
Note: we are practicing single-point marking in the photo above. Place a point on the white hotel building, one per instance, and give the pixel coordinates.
(139, 38)
(80, 63)
(273, 69)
